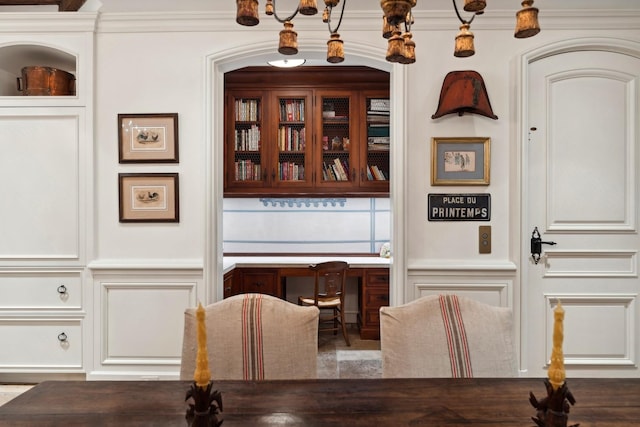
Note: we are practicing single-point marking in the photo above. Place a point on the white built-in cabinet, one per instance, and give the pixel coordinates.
(45, 185)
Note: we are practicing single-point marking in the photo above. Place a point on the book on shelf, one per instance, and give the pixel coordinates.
(378, 143)
(342, 172)
(291, 110)
(373, 131)
(380, 104)
(377, 173)
(246, 170)
(374, 118)
(327, 172)
(246, 110)
(375, 113)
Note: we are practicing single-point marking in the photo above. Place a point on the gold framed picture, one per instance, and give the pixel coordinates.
(148, 197)
(148, 138)
(460, 161)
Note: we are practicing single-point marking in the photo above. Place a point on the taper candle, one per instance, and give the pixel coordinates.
(556, 369)
(202, 375)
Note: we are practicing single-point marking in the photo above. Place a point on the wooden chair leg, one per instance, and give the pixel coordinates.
(344, 328)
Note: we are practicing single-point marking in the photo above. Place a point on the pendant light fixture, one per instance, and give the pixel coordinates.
(396, 26)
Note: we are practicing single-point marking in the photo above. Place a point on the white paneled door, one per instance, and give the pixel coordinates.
(581, 192)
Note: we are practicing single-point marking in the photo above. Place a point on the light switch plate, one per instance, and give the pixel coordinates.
(484, 239)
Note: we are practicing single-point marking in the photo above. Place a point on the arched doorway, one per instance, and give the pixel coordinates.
(257, 54)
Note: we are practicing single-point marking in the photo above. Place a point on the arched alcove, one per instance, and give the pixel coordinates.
(16, 56)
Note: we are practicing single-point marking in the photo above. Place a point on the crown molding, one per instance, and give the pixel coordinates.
(139, 22)
(46, 22)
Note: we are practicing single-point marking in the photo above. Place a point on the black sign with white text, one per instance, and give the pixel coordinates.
(459, 207)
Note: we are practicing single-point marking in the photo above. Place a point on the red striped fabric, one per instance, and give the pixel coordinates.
(252, 350)
(456, 337)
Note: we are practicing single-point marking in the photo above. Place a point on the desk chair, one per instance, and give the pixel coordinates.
(328, 294)
(447, 336)
(254, 337)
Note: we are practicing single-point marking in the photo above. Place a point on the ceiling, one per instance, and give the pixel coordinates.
(363, 5)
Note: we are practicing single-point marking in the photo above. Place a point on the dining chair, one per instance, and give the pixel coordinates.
(328, 295)
(254, 337)
(447, 336)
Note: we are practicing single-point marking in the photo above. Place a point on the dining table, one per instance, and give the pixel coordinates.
(602, 402)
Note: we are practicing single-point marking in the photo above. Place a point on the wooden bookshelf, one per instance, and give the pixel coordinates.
(306, 132)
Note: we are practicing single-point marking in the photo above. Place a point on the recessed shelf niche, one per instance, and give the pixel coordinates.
(14, 57)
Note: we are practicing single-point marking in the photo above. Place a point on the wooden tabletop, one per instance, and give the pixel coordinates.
(345, 402)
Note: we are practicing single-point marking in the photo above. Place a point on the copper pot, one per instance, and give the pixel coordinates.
(46, 81)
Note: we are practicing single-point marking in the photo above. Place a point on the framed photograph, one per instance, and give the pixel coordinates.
(148, 197)
(147, 138)
(460, 161)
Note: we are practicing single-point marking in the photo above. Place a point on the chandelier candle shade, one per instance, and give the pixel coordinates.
(288, 40)
(396, 26)
(335, 49)
(464, 42)
(527, 21)
(247, 12)
(474, 5)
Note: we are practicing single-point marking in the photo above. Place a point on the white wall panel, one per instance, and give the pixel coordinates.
(599, 330)
(39, 171)
(485, 290)
(143, 321)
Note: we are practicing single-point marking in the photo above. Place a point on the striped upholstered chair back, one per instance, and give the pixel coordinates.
(254, 337)
(447, 336)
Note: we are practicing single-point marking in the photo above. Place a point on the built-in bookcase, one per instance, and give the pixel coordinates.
(314, 131)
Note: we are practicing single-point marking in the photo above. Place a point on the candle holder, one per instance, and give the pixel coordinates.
(553, 410)
(206, 406)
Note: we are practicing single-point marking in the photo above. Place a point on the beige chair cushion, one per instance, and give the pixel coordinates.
(254, 337)
(477, 340)
(322, 302)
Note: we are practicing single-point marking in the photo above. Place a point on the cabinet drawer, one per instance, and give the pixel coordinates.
(372, 317)
(40, 344)
(37, 291)
(377, 278)
(374, 299)
(259, 281)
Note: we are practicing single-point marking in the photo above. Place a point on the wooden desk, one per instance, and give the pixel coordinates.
(353, 403)
(269, 277)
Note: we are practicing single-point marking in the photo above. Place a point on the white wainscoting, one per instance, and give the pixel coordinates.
(139, 319)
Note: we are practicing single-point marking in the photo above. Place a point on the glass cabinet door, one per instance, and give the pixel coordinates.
(337, 158)
(293, 140)
(244, 145)
(375, 170)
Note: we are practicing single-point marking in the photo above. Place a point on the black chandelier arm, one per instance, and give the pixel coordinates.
(289, 18)
(455, 7)
(333, 31)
